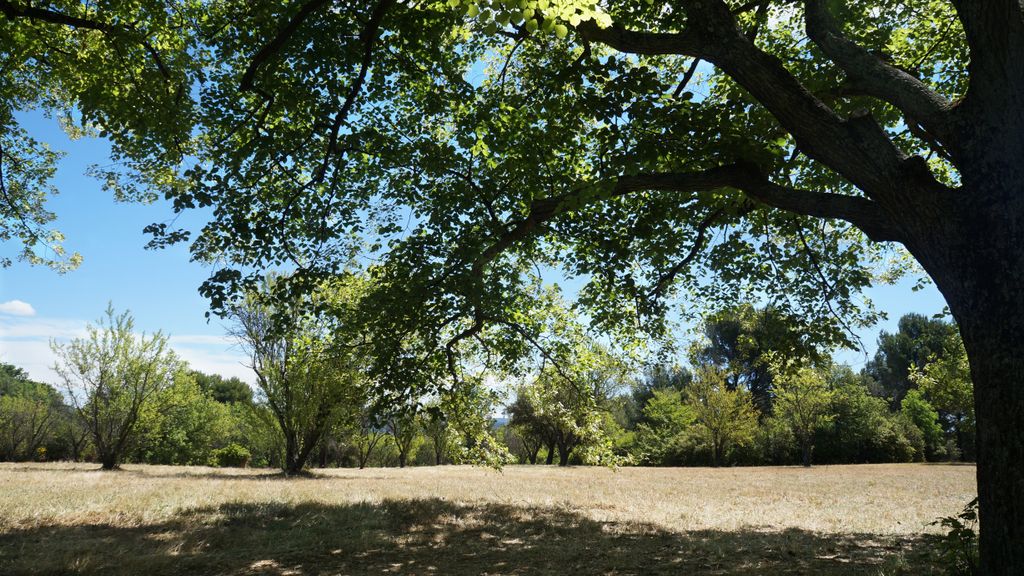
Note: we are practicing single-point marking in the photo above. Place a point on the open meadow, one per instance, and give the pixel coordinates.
(153, 520)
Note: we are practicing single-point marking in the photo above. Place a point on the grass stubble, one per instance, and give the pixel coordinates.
(154, 520)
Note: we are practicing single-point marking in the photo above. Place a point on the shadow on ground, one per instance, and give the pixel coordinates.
(437, 537)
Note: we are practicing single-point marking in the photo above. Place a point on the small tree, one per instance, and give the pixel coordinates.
(723, 418)
(664, 420)
(366, 436)
(918, 410)
(438, 432)
(27, 415)
(184, 425)
(304, 366)
(110, 376)
(804, 401)
(403, 427)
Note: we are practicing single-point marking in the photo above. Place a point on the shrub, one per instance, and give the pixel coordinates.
(232, 456)
(958, 548)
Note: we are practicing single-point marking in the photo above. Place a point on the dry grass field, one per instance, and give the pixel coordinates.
(154, 520)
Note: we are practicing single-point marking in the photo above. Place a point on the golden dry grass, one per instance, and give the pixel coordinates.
(57, 519)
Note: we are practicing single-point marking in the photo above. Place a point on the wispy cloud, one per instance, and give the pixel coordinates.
(17, 308)
(25, 342)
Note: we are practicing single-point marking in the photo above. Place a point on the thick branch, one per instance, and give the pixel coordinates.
(863, 213)
(995, 37)
(278, 41)
(857, 148)
(873, 76)
(12, 11)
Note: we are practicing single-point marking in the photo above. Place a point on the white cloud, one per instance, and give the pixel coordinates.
(25, 343)
(17, 308)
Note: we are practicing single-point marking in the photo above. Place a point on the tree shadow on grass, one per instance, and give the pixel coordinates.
(437, 537)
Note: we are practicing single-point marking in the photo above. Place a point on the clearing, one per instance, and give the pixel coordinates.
(153, 520)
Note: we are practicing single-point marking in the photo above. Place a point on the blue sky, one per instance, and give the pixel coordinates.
(160, 287)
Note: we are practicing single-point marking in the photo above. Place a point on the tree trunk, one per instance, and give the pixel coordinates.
(805, 449)
(551, 453)
(109, 461)
(997, 369)
(564, 451)
(402, 456)
(532, 454)
(292, 465)
(717, 453)
(976, 259)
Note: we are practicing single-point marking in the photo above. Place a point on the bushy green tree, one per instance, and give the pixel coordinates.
(306, 365)
(657, 377)
(403, 427)
(723, 418)
(438, 432)
(224, 390)
(863, 430)
(564, 405)
(917, 341)
(183, 424)
(111, 377)
(744, 341)
(919, 411)
(946, 382)
(804, 401)
(666, 419)
(30, 414)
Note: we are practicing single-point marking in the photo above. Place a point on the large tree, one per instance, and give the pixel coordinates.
(917, 341)
(741, 340)
(715, 147)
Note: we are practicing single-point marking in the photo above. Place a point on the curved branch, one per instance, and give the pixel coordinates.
(698, 244)
(873, 76)
(865, 214)
(13, 11)
(369, 36)
(857, 148)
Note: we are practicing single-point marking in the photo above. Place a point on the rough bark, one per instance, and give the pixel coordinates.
(975, 257)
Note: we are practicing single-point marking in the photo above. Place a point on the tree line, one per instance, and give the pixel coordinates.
(757, 393)
(754, 393)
